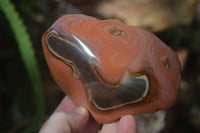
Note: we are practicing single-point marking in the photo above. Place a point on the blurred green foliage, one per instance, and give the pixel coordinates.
(28, 58)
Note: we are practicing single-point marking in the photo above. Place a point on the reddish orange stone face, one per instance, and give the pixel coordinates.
(110, 68)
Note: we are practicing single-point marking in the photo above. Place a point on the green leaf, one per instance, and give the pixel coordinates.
(26, 51)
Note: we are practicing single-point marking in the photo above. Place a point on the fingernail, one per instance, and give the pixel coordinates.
(80, 110)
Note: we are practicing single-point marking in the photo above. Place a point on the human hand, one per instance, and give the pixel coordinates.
(67, 118)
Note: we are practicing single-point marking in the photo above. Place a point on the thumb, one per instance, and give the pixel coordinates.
(66, 122)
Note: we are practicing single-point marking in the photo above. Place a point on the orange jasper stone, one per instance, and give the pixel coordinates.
(110, 68)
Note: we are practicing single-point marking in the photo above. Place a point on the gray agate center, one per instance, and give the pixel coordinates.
(79, 56)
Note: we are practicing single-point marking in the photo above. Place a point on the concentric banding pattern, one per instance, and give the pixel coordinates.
(76, 54)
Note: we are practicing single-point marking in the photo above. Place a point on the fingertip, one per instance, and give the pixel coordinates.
(110, 127)
(66, 105)
(78, 119)
(129, 118)
(127, 124)
(81, 110)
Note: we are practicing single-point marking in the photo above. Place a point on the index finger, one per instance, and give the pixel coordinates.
(66, 105)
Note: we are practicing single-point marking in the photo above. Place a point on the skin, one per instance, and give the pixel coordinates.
(68, 118)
